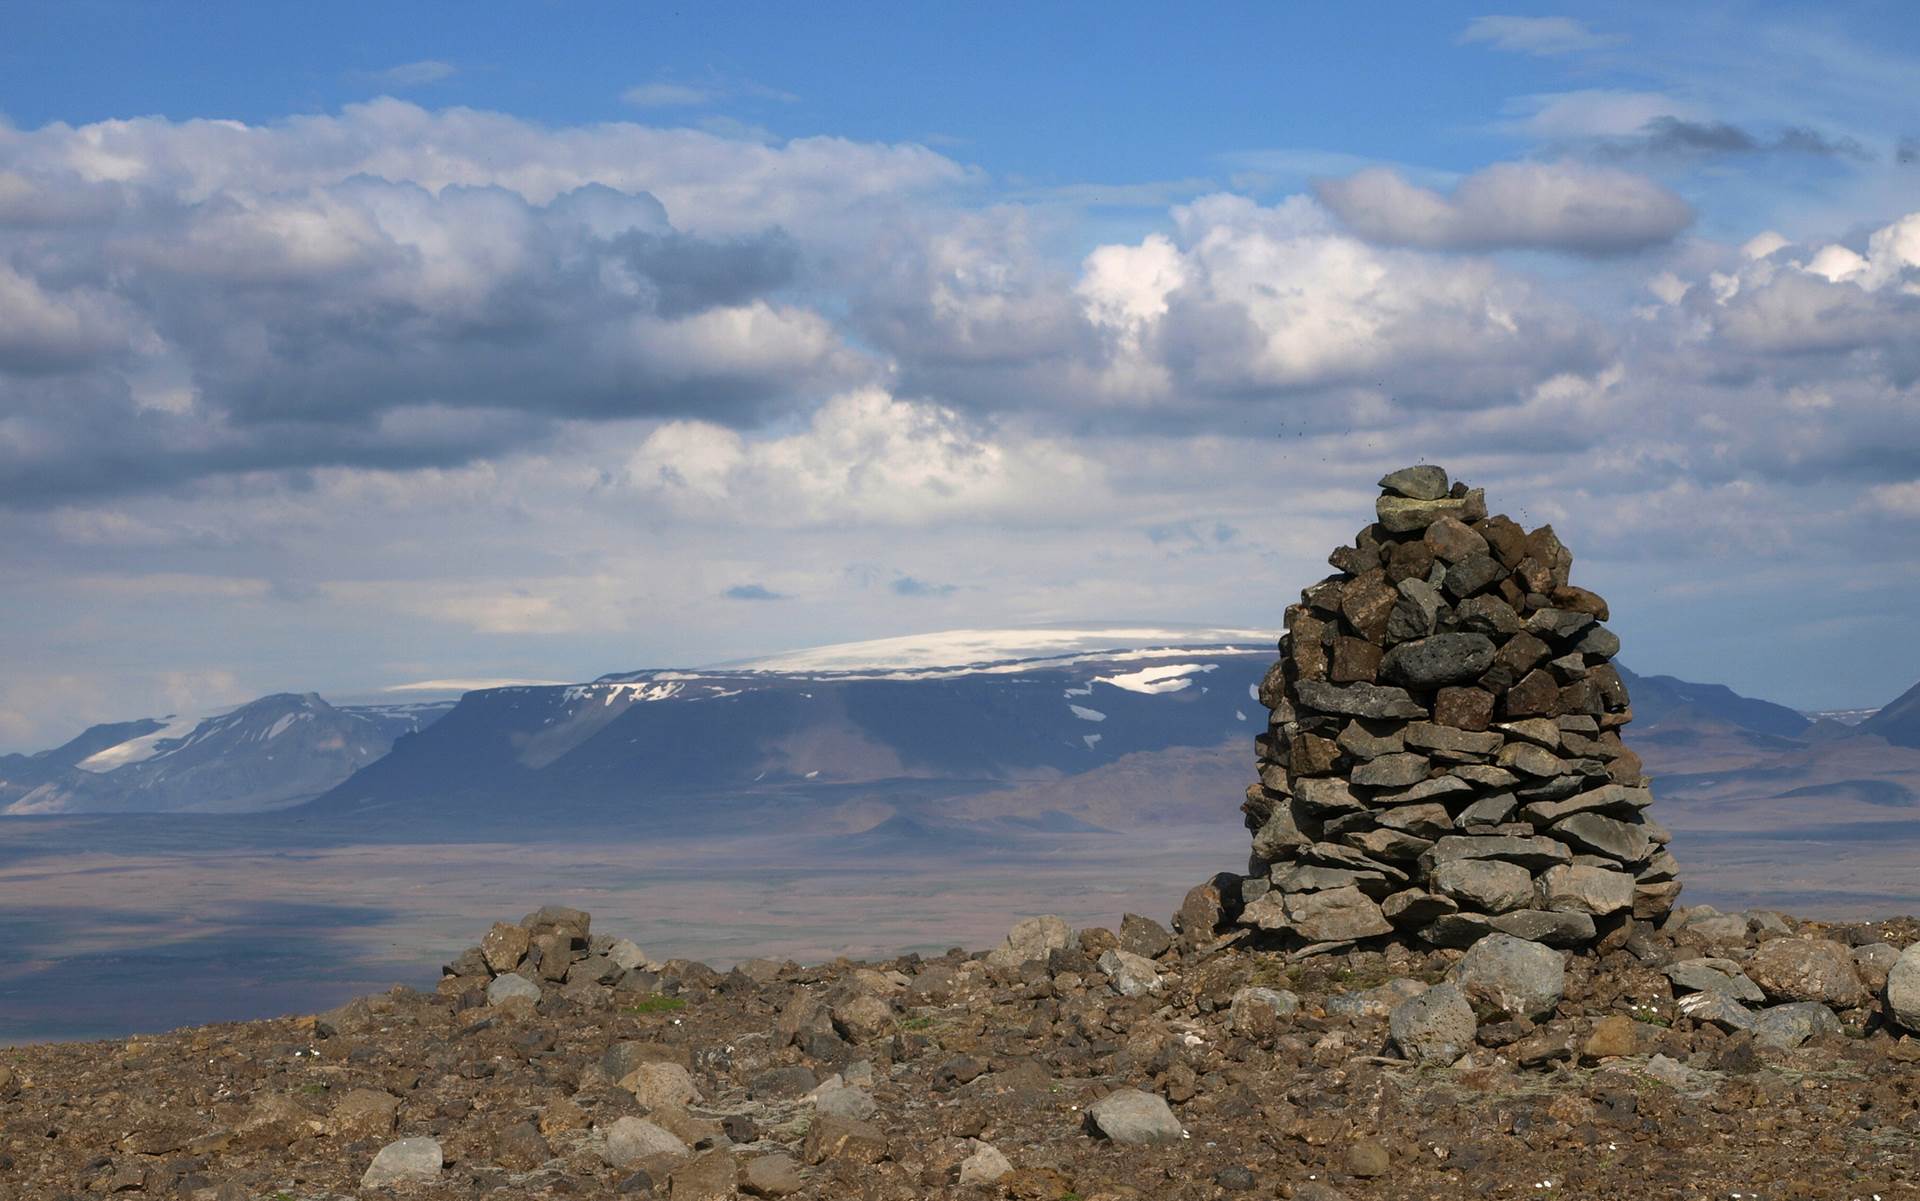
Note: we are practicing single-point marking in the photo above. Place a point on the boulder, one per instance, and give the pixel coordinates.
(1807, 969)
(1785, 1027)
(1437, 1026)
(407, 1161)
(1903, 989)
(1031, 938)
(1577, 888)
(504, 988)
(630, 1140)
(1425, 663)
(1131, 1116)
(1130, 975)
(1486, 885)
(1512, 975)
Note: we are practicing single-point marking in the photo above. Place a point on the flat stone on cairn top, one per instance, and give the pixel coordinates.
(1444, 759)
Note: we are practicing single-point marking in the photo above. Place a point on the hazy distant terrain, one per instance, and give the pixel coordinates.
(811, 809)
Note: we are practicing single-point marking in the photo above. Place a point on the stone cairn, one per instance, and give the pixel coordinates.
(1444, 757)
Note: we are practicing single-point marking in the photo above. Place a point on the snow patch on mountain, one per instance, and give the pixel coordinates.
(1156, 680)
(1013, 649)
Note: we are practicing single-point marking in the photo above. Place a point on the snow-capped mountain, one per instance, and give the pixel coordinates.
(267, 754)
(939, 715)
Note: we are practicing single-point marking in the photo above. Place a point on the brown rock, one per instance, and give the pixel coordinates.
(771, 1176)
(1579, 600)
(1313, 755)
(1354, 659)
(1409, 561)
(1367, 604)
(1535, 695)
(363, 1113)
(1307, 647)
(1515, 658)
(1368, 1158)
(843, 1138)
(556, 955)
(1463, 708)
(1451, 540)
(1581, 696)
(1613, 1036)
(504, 947)
(1506, 539)
(708, 1177)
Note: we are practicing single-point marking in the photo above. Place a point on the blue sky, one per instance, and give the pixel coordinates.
(345, 346)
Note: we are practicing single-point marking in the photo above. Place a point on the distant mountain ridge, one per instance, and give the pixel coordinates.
(1057, 725)
(269, 753)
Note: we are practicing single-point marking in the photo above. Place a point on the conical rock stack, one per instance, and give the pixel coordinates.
(1444, 758)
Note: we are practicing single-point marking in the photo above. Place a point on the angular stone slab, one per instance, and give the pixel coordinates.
(1605, 836)
(1533, 853)
(1358, 700)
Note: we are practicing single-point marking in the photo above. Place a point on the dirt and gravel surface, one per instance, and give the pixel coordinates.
(555, 1061)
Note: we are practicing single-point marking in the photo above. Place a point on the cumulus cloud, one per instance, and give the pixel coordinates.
(1546, 36)
(385, 288)
(864, 456)
(1535, 206)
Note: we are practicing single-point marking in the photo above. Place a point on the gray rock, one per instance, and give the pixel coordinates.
(1807, 969)
(1435, 1027)
(1362, 743)
(1570, 888)
(1358, 700)
(1471, 574)
(1541, 731)
(1031, 938)
(1717, 1008)
(627, 954)
(1531, 760)
(1424, 820)
(1535, 853)
(1415, 613)
(1457, 930)
(984, 1166)
(1612, 799)
(844, 1101)
(1722, 976)
(511, 985)
(1396, 845)
(1130, 975)
(1312, 877)
(1875, 961)
(1487, 811)
(1280, 834)
(1326, 796)
(409, 1159)
(1676, 1075)
(1484, 775)
(1259, 1012)
(1903, 988)
(1513, 975)
(1425, 482)
(1486, 885)
(1144, 936)
(1414, 908)
(1130, 1116)
(1598, 641)
(1787, 1026)
(1557, 623)
(1430, 737)
(1425, 790)
(1554, 929)
(1402, 515)
(1442, 659)
(1333, 916)
(1487, 615)
(631, 1139)
(1391, 771)
(1606, 836)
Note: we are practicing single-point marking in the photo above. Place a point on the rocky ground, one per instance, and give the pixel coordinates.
(1719, 1055)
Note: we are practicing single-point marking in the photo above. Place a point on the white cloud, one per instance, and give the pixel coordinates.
(417, 74)
(1537, 35)
(667, 95)
(1595, 113)
(865, 457)
(1539, 206)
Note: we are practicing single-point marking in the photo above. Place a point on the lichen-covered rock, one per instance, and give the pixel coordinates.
(1807, 969)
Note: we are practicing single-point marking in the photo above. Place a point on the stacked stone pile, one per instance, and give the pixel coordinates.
(1444, 758)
